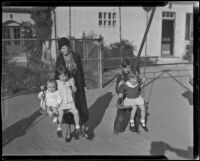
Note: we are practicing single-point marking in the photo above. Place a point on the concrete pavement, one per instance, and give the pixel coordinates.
(170, 122)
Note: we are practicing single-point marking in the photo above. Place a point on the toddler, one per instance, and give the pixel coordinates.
(50, 99)
(133, 98)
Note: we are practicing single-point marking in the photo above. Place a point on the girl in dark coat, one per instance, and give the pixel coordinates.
(72, 62)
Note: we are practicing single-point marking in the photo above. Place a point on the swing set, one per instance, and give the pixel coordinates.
(120, 124)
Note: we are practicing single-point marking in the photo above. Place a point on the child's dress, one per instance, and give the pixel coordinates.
(51, 99)
(133, 96)
(65, 90)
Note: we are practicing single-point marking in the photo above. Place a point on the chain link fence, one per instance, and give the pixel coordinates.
(24, 70)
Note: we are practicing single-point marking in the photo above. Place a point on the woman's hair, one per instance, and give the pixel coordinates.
(125, 63)
(63, 70)
(63, 41)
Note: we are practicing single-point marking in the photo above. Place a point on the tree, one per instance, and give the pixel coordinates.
(43, 28)
(113, 50)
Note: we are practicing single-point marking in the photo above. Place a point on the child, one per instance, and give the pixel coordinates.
(66, 87)
(51, 99)
(133, 98)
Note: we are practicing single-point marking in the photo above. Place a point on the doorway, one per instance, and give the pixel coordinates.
(167, 39)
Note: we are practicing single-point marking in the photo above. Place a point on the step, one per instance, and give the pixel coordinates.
(171, 60)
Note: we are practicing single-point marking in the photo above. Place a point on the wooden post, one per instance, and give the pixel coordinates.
(100, 63)
(144, 38)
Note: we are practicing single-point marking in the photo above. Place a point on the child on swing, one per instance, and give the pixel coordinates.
(132, 88)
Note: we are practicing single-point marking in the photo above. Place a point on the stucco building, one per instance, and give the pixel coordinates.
(170, 31)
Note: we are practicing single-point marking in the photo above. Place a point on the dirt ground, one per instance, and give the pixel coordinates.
(26, 131)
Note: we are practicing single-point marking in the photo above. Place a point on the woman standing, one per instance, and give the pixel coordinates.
(72, 62)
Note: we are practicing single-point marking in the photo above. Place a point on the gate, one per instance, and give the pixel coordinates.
(90, 51)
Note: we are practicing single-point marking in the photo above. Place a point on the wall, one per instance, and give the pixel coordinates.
(133, 20)
(19, 17)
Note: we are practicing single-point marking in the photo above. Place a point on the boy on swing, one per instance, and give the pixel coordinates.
(132, 87)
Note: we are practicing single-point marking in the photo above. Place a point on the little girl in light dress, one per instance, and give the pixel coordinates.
(66, 87)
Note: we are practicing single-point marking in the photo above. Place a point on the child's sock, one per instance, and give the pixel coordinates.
(132, 122)
(77, 127)
(59, 128)
(55, 119)
(142, 121)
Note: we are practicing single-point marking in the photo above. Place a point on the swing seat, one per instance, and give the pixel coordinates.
(123, 116)
(120, 104)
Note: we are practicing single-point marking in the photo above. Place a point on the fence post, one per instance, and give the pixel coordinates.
(100, 63)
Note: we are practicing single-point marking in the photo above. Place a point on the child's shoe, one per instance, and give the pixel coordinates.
(68, 137)
(132, 126)
(144, 126)
(59, 132)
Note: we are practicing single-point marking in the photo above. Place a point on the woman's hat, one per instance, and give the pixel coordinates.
(63, 41)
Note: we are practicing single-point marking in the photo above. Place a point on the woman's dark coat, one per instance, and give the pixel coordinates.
(80, 98)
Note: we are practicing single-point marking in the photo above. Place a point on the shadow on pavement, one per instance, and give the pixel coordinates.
(96, 113)
(19, 128)
(188, 95)
(160, 147)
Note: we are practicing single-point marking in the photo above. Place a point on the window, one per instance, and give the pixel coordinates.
(105, 23)
(16, 35)
(107, 19)
(6, 35)
(168, 15)
(114, 23)
(100, 22)
(189, 26)
(114, 15)
(105, 15)
(109, 22)
(109, 15)
(100, 15)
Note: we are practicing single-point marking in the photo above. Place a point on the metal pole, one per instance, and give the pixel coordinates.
(120, 33)
(55, 30)
(145, 48)
(70, 34)
(144, 38)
